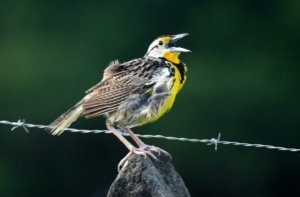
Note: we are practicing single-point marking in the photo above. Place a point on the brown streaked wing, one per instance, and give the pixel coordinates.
(107, 95)
(110, 94)
(101, 102)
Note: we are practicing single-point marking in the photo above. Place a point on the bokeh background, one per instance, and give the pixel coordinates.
(243, 81)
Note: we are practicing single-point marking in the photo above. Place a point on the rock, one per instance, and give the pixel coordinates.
(147, 177)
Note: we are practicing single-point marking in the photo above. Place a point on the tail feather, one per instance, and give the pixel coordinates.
(65, 120)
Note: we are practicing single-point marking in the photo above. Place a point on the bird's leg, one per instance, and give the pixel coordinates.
(120, 136)
(137, 140)
(144, 146)
(132, 149)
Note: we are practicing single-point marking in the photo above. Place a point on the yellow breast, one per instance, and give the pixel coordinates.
(176, 84)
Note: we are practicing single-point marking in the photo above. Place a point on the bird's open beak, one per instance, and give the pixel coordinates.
(173, 41)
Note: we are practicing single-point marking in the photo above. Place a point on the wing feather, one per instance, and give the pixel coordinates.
(119, 82)
(99, 111)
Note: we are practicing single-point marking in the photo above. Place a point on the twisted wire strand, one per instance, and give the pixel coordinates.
(212, 141)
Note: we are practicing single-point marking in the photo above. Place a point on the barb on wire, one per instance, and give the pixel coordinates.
(215, 142)
(212, 141)
(20, 123)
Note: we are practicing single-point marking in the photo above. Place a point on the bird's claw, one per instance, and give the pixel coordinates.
(137, 151)
(155, 149)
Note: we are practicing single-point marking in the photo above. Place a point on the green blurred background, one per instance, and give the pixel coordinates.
(243, 81)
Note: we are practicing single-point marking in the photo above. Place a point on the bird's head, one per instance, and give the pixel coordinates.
(164, 47)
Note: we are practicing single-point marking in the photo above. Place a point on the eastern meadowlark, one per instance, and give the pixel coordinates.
(133, 93)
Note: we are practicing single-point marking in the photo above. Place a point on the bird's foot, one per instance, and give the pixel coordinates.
(155, 149)
(136, 151)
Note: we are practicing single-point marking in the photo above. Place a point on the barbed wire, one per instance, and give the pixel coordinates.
(212, 141)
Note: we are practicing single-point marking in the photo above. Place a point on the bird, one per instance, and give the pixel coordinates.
(133, 93)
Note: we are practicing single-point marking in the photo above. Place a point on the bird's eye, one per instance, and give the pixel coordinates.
(160, 43)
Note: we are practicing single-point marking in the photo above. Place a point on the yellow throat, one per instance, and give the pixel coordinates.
(172, 57)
